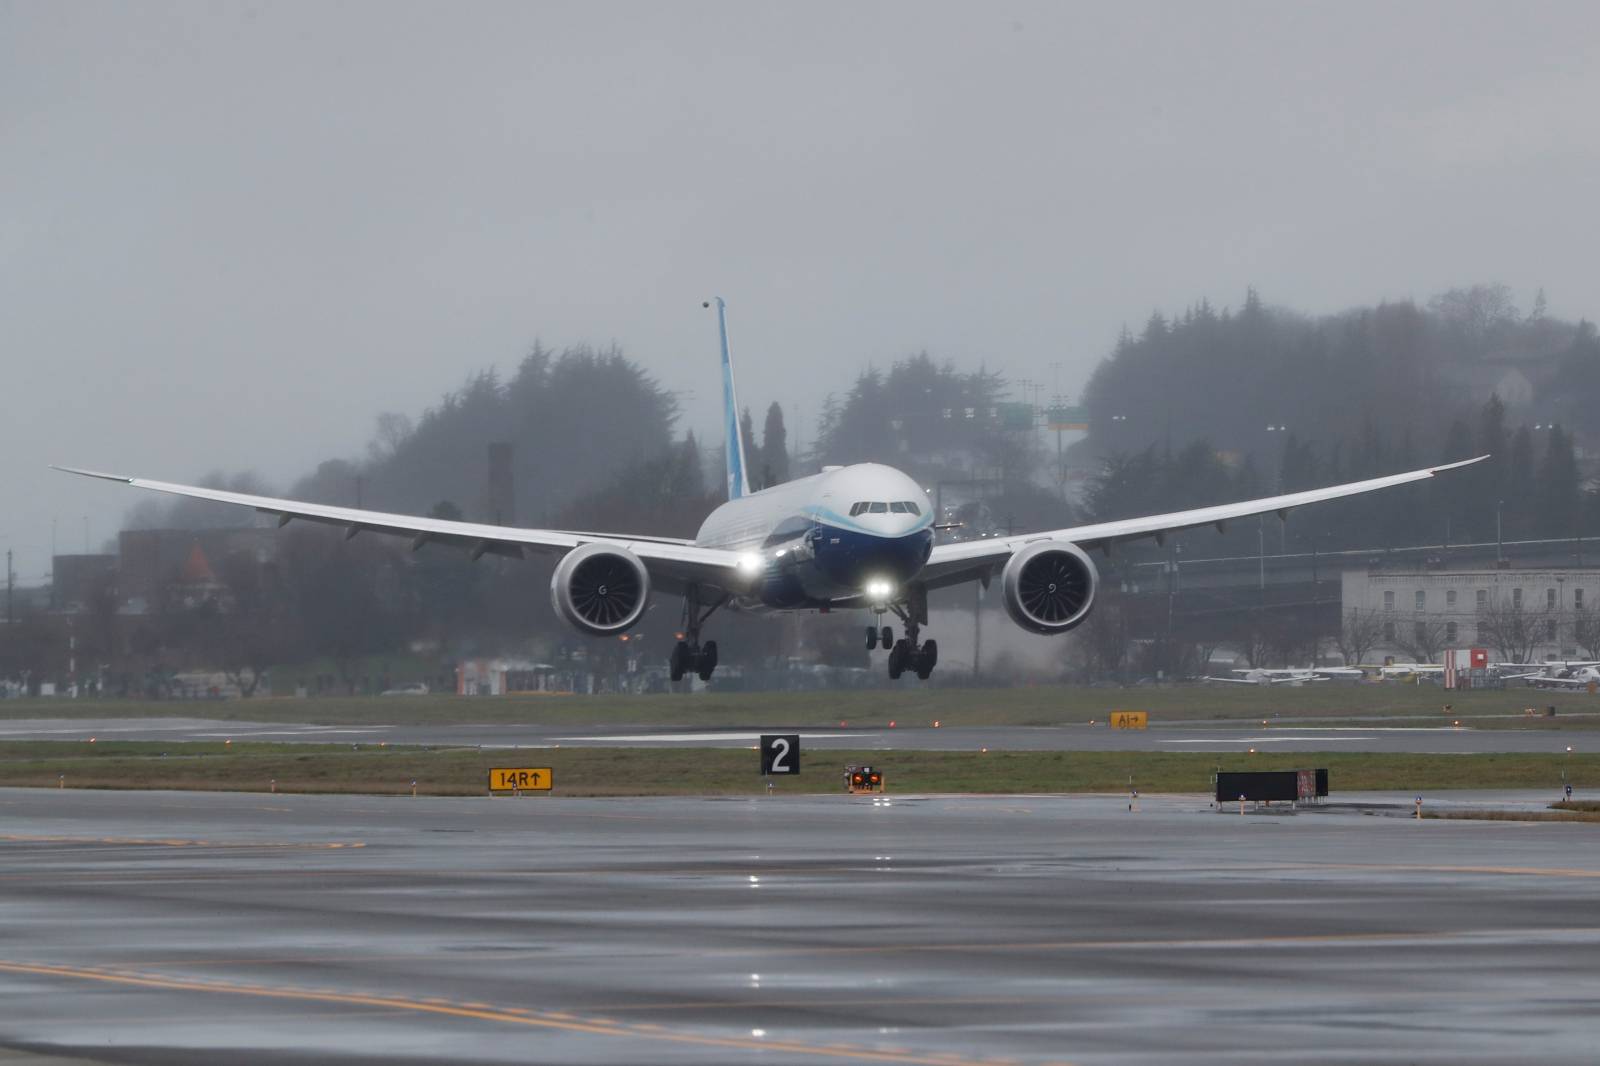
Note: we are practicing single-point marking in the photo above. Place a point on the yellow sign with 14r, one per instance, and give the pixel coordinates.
(521, 780)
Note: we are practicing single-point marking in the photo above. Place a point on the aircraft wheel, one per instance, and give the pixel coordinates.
(927, 658)
(679, 661)
(872, 637)
(897, 661)
(888, 636)
(708, 660)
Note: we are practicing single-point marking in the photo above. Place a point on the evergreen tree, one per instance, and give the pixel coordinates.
(1558, 487)
(1520, 494)
(775, 447)
(752, 451)
(688, 473)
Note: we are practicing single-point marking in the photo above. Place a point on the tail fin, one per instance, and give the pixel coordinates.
(738, 482)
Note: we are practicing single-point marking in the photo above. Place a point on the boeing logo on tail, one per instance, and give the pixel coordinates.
(858, 536)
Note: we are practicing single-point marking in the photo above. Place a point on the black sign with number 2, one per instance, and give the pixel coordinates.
(780, 753)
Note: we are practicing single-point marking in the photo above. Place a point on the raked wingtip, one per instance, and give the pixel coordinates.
(92, 473)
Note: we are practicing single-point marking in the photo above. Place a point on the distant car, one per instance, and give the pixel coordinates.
(410, 688)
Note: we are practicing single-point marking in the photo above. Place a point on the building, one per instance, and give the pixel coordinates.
(78, 581)
(1519, 615)
(152, 562)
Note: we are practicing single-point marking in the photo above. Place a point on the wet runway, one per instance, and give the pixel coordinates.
(1195, 736)
(198, 928)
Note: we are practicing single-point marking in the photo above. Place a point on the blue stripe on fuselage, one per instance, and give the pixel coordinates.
(839, 565)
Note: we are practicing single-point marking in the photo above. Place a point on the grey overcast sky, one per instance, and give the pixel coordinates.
(232, 234)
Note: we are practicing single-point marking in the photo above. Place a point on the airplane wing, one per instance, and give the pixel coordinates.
(1269, 679)
(673, 564)
(951, 564)
(1548, 664)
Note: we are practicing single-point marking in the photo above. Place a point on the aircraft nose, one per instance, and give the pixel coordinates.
(852, 559)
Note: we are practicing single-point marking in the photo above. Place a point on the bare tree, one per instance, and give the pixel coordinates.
(1106, 638)
(1511, 629)
(1201, 656)
(250, 630)
(392, 432)
(1423, 639)
(1252, 639)
(1359, 632)
(1586, 632)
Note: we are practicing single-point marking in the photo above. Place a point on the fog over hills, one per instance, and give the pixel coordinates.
(232, 236)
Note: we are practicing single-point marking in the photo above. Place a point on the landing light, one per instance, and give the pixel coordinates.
(750, 563)
(879, 590)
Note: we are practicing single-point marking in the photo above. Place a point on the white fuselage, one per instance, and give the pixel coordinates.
(821, 540)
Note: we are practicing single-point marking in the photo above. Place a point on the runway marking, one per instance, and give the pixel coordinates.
(510, 1016)
(1200, 943)
(682, 737)
(318, 731)
(20, 838)
(1261, 740)
(1517, 871)
(848, 1002)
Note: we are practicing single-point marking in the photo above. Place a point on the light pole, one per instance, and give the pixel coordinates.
(1261, 554)
(1499, 537)
(1283, 522)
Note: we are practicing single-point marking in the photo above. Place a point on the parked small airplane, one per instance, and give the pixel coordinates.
(1570, 674)
(1282, 676)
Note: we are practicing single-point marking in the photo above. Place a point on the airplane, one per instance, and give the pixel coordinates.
(1279, 676)
(1557, 674)
(1385, 671)
(1411, 669)
(1265, 677)
(850, 537)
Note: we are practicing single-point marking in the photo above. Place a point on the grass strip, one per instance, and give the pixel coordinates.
(1040, 705)
(734, 771)
(1514, 816)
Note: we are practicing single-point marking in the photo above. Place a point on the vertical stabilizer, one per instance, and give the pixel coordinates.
(738, 482)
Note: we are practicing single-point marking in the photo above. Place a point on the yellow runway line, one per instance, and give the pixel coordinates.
(542, 1020)
(330, 845)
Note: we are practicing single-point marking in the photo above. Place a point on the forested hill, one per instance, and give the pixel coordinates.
(1397, 371)
(1217, 405)
(574, 419)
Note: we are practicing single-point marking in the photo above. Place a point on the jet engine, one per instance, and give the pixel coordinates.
(600, 589)
(1048, 586)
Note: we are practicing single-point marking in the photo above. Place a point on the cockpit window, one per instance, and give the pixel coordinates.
(857, 508)
(877, 507)
(897, 507)
(910, 507)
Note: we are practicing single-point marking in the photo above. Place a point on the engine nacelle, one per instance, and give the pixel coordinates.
(1048, 586)
(600, 589)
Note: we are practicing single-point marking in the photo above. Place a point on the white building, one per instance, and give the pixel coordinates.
(1519, 615)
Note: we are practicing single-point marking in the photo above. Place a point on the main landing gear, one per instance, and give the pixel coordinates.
(690, 656)
(908, 653)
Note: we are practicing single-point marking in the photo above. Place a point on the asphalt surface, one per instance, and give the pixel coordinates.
(1196, 736)
(203, 928)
